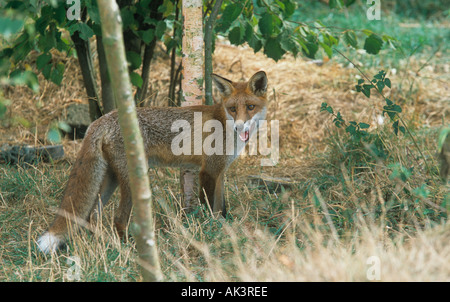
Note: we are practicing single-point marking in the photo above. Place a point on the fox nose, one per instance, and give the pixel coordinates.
(238, 125)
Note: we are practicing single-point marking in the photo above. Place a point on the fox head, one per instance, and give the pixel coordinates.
(244, 102)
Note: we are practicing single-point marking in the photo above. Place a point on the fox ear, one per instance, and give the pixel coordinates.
(224, 85)
(258, 83)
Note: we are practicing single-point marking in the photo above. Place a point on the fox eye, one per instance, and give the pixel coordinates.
(251, 107)
(233, 109)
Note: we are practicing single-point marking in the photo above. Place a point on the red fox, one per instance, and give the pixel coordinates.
(101, 162)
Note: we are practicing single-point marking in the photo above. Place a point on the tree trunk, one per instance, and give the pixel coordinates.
(192, 81)
(173, 73)
(192, 44)
(208, 51)
(148, 56)
(149, 50)
(108, 100)
(136, 161)
(87, 71)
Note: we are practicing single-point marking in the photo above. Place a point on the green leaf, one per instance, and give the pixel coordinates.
(9, 26)
(47, 41)
(147, 35)
(84, 30)
(367, 32)
(134, 59)
(167, 8)
(64, 126)
(57, 74)
(380, 85)
(255, 43)
(47, 71)
(273, 49)
(230, 13)
(288, 43)
(312, 49)
(312, 46)
(4, 107)
(327, 49)
(395, 126)
(366, 89)
(364, 125)
(335, 3)
(42, 23)
(399, 172)
(92, 9)
(27, 77)
(22, 47)
(329, 39)
(136, 79)
(380, 75)
(351, 39)
(373, 44)
(53, 3)
(265, 24)
(127, 17)
(387, 82)
(396, 108)
(236, 35)
(54, 135)
(289, 8)
(160, 29)
(351, 129)
(389, 111)
(248, 32)
(43, 60)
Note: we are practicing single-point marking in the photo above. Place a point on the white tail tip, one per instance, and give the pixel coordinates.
(49, 243)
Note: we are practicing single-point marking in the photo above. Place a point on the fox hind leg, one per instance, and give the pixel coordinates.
(107, 188)
(124, 211)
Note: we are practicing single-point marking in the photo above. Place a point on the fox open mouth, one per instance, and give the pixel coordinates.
(245, 135)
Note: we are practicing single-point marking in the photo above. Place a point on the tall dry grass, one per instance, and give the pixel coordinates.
(302, 241)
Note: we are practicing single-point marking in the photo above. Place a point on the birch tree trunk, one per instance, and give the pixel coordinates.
(192, 48)
(137, 164)
(192, 81)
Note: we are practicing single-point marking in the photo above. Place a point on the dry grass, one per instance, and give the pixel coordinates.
(338, 215)
(199, 248)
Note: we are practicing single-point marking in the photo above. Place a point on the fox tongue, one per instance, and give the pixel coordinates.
(244, 136)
